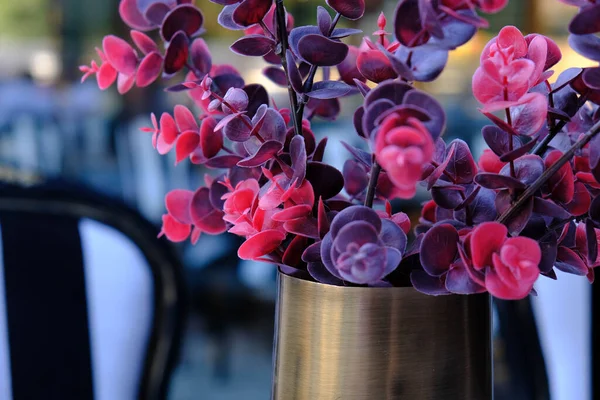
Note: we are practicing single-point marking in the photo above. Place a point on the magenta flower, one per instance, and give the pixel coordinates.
(511, 266)
(360, 247)
(192, 213)
(403, 147)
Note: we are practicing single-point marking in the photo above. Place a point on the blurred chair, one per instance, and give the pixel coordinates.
(91, 303)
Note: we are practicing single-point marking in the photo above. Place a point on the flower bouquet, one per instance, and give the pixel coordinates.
(349, 275)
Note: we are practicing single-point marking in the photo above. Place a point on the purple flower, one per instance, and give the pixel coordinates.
(361, 247)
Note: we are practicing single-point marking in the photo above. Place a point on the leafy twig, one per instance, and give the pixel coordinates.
(283, 40)
(375, 170)
(566, 157)
(312, 72)
(541, 147)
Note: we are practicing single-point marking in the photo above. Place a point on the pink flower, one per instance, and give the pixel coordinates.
(511, 64)
(511, 266)
(403, 147)
(263, 233)
(240, 200)
(119, 62)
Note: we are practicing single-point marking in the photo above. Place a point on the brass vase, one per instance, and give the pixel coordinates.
(349, 343)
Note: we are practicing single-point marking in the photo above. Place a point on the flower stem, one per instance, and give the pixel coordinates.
(541, 147)
(283, 40)
(566, 157)
(312, 72)
(372, 184)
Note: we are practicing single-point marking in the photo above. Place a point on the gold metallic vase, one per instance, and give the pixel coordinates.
(347, 343)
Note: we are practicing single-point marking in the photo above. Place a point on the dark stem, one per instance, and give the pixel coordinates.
(283, 40)
(531, 190)
(510, 136)
(308, 84)
(541, 147)
(372, 184)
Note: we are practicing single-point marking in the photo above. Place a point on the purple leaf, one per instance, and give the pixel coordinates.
(227, 161)
(518, 222)
(586, 45)
(298, 33)
(527, 169)
(439, 249)
(395, 91)
(447, 197)
(257, 96)
(426, 284)
(351, 9)
(427, 61)
(587, 21)
(591, 77)
(458, 281)
(429, 19)
(177, 53)
(407, 23)
(362, 156)
(372, 113)
(276, 75)
(323, 20)
(549, 246)
(156, 13)
(498, 140)
(329, 90)
(462, 166)
(225, 18)
(422, 100)
(518, 151)
(594, 159)
(299, 159)
(266, 152)
(595, 209)
(216, 193)
(483, 207)
(549, 208)
(326, 180)
(253, 45)
(355, 177)
(592, 241)
(200, 55)
(456, 32)
(186, 18)
(237, 129)
(353, 214)
(132, 15)
(273, 127)
(327, 108)
(568, 261)
(566, 77)
(321, 274)
(357, 120)
(530, 115)
(318, 50)
(399, 66)
(375, 66)
(250, 12)
(306, 227)
(294, 74)
(340, 33)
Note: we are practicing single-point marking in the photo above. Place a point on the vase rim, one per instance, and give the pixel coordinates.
(325, 286)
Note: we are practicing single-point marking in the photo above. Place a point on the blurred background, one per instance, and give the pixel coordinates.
(53, 126)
